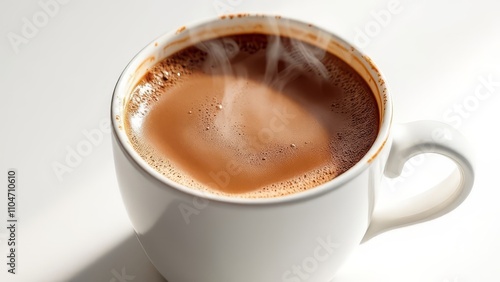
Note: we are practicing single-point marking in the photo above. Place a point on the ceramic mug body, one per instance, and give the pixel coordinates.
(191, 236)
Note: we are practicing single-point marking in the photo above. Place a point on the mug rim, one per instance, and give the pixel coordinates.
(385, 115)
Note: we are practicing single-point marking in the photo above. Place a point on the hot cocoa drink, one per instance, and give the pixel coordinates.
(252, 115)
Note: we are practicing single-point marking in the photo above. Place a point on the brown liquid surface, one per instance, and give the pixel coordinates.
(264, 122)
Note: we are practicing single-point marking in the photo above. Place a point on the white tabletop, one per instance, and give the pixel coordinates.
(59, 61)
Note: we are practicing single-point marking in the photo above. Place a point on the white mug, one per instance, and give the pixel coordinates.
(191, 236)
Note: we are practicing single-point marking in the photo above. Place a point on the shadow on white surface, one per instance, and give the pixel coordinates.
(126, 262)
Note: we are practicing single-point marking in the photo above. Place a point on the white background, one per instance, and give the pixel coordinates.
(56, 83)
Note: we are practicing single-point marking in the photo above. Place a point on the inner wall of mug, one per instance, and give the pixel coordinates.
(173, 42)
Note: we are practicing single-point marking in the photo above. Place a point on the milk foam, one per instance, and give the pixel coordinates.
(244, 133)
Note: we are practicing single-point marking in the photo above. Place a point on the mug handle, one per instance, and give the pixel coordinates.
(415, 138)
